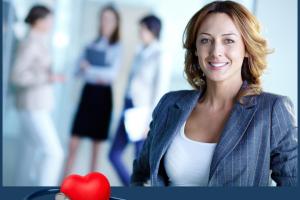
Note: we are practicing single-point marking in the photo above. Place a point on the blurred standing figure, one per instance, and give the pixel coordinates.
(99, 66)
(142, 90)
(41, 156)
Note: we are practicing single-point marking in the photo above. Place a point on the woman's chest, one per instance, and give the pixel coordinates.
(206, 126)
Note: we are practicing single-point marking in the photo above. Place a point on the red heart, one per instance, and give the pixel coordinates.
(94, 186)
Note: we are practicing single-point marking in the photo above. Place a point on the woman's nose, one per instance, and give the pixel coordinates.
(217, 49)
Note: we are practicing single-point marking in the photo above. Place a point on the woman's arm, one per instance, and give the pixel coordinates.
(157, 76)
(284, 143)
(141, 165)
(106, 74)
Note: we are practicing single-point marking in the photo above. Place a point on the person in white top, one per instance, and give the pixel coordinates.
(41, 154)
(185, 153)
(255, 131)
(141, 94)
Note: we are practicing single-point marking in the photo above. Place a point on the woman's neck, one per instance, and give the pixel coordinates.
(219, 95)
(40, 30)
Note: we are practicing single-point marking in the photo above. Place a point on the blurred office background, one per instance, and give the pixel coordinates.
(76, 24)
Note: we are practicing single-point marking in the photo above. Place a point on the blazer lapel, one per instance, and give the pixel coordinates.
(176, 116)
(235, 127)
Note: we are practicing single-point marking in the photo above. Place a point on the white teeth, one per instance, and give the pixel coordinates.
(218, 64)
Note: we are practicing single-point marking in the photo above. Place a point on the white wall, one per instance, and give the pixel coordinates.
(279, 20)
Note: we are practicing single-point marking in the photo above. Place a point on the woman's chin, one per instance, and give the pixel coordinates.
(216, 79)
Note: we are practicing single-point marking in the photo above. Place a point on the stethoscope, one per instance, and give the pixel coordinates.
(59, 195)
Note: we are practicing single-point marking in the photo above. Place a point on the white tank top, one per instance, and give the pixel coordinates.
(187, 162)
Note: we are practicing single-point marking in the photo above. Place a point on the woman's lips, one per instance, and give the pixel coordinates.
(217, 65)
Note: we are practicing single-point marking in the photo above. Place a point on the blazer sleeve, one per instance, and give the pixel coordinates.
(284, 143)
(141, 165)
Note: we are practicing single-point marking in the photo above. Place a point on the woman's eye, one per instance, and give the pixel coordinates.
(204, 41)
(229, 41)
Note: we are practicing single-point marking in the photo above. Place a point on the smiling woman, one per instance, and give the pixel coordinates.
(227, 131)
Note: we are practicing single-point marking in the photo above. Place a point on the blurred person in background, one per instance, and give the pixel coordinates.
(141, 95)
(98, 66)
(41, 154)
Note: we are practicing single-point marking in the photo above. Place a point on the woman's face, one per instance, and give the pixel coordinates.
(220, 48)
(146, 36)
(45, 24)
(108, 23)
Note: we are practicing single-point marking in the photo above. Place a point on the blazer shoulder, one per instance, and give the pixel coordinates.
(170, 98)
(274, 97)
(275, 100)
(174, 96)
(271, 96)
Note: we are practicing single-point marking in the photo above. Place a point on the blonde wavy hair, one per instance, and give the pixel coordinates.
(255, 45)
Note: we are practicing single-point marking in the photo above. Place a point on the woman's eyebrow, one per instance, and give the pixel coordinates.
(225, 34)
(205, 34)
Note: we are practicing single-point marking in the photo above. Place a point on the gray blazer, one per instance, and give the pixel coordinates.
(258, 140)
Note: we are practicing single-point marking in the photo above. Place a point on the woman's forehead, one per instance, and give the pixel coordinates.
(218, 23)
